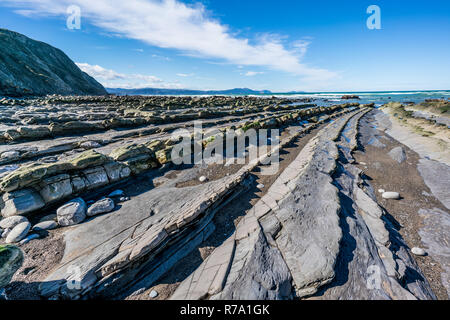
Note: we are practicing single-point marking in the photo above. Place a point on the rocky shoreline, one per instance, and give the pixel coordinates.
(92, 179)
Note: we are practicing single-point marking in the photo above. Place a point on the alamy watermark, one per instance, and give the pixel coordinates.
(73, 20)
(374, 277)
(374, 20)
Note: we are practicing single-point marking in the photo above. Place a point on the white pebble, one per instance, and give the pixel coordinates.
(381, 190)
(153, 294)
(260, 186)
(418, 251)
(390, 195)
(202, 179)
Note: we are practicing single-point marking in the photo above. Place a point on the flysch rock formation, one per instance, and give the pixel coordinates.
(33, 68)
(316, 233)
(315, 227)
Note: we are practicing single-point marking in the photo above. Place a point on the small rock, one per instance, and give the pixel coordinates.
(45, 225)
(260, 186)
(116, 193)
(202, 179)
(18, 232)
(153, 294)
(73, 212)
(122, 199)
(390, 195)
(101, 206)
(381, 190)
(90, 145)
(11, 222)
(29, 238)
(418, 251)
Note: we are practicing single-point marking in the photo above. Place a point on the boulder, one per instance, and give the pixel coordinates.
(18, 232)
(11, 259)
(101, 206)
(45, 225)
(11, 222)
(72, 212)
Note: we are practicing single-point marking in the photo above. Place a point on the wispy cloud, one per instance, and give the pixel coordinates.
(185, 74)
(252, 73)
(111, 78)
(188, 28)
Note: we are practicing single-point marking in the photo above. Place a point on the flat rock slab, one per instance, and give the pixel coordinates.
(436, 176)
(398, 154)
(112, 237)
(435, 235)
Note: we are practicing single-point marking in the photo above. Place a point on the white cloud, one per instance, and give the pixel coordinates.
(252, 73)
(185, 74)
(99, 72)
(112, 79)
(188, 28)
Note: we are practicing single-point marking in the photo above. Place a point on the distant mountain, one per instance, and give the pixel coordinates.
(157, 91)
(33, 68)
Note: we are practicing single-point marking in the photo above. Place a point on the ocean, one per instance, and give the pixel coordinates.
(379, 98)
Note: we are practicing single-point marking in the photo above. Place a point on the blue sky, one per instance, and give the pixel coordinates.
(220, 44)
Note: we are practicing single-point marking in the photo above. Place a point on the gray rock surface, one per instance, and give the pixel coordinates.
(398, 154)
(435, 235)
(72, 212)
(436, 176)
(42, 70)
(20, 202)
